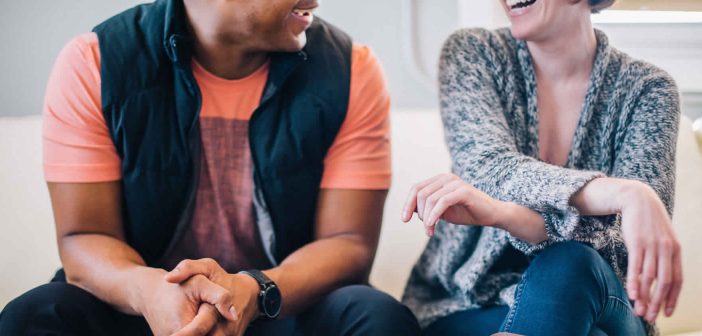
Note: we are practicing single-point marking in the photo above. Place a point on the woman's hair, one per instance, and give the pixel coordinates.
(598, 5)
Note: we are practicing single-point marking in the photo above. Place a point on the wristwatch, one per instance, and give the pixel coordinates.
(269, 299)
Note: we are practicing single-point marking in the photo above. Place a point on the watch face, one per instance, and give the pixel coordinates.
(272, 302)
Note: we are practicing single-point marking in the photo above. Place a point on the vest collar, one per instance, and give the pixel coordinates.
(176, 37)
(179, 48)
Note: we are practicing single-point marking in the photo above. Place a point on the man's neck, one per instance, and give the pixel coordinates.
(225, 57)
(566, 56)
(228, 61)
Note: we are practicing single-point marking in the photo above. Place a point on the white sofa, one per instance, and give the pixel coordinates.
(28, 253)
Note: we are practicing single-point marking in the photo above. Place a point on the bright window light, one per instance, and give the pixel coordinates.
(644, 16)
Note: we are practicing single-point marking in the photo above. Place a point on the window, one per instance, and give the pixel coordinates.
(659, 5)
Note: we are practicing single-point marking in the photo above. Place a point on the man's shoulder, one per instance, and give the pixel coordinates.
(324, 37)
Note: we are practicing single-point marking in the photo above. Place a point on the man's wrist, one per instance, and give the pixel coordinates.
(252, 289)
(145, 279)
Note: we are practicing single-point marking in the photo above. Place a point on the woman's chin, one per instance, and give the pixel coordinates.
(522, 32)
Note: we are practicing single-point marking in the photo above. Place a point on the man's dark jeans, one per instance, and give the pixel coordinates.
(59, 308)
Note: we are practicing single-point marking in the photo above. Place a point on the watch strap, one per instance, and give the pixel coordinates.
(263, 280)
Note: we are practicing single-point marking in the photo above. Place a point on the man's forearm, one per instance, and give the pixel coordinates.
(319, 268)
(107, 268)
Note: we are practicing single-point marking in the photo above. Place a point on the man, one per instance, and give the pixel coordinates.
(215, 139)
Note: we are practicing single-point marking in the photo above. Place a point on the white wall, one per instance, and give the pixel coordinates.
(32, 32)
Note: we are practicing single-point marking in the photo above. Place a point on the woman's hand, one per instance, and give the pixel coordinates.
(654, 252)
(449, 198)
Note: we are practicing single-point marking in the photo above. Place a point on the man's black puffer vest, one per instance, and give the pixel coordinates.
(151, 103)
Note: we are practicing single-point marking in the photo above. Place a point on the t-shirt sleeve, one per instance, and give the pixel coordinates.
(359, 158)
(77, 145)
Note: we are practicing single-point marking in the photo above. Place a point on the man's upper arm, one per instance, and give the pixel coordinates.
(359, 158)
(87, 208)
(81, 164)
(76, 141)
(357, 170)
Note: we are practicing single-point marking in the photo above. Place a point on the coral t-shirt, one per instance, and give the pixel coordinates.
(79, 149)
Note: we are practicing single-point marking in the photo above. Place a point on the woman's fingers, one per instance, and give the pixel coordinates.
(419, 192)
(427, 192)
(672, 299)
(646, 278)
(432, 199)
(411, 202)
(663, 280)
(446, 201)
(634, 271)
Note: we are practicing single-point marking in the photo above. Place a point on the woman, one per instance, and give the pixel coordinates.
(561, 195)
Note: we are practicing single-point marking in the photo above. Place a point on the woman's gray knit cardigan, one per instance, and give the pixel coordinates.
(627, 128)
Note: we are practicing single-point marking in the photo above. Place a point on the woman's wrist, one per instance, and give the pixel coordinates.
(631, 194)
(607, 196)
(521, 222)
(505, 213)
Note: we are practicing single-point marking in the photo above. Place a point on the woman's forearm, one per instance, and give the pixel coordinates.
(600, 197)
(604, 196)
(523, 223)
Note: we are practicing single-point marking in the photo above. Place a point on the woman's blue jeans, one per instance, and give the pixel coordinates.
(568, 289)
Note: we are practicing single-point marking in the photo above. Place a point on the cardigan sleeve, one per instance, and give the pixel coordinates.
(483, 147)
(646, 150)
(484, 150)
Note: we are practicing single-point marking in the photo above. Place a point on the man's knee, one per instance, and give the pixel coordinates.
(374, 311)
(41, 306)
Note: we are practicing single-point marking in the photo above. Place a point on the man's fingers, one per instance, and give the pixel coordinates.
(204, 321)
(663, 282)
(184, 270)
(188, 268)
(634, 270)
(676, 286)
(220, 330)
(204, 290)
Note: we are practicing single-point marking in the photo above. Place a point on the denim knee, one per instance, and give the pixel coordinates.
(570, 264)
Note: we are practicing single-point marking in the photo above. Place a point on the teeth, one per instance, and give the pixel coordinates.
(302, 12)
(516, 3)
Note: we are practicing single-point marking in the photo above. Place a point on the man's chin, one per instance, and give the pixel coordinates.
(295, 43)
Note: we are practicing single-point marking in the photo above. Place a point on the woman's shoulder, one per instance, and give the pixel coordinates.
(480, 40)
(479, 47)
(638, 74)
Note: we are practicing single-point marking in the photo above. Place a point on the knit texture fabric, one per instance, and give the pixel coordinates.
(627, 128)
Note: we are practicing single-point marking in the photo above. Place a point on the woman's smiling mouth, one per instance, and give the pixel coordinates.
(515, 4)
(519, 7)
